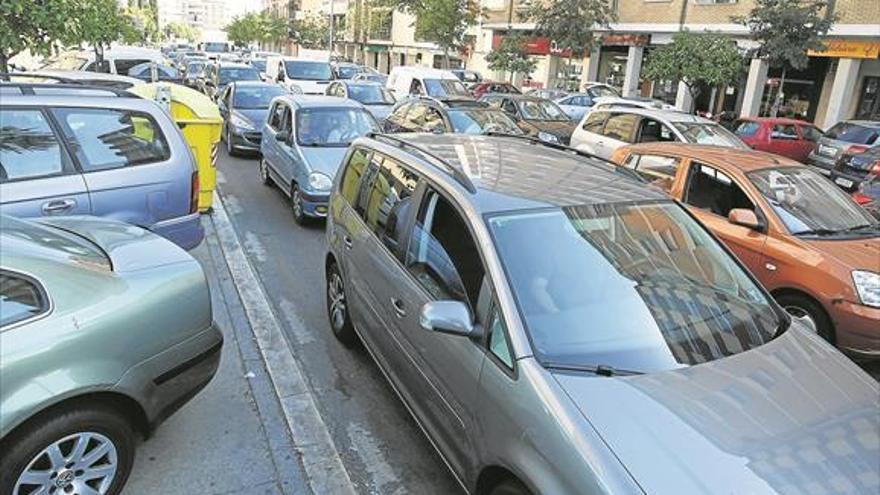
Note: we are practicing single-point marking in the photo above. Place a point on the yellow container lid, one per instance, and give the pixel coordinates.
(200, 107)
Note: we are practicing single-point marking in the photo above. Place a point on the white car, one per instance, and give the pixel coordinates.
(117, 60)
(424, 81)
(602, 131)
(300, 75)
(632, 102)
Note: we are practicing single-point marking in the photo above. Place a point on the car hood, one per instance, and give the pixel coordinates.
(792, 416)
(856, 254)
(381, 112)
(323, 159)
(256, 116)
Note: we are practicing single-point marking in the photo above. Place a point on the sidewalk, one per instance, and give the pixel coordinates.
(233, 437)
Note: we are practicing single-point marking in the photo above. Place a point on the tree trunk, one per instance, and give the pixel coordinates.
(4, 64)
(99, 57)
(777, 101)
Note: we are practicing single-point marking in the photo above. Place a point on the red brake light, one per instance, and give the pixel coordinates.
(861, 199)
(855, 149)
(194, 193)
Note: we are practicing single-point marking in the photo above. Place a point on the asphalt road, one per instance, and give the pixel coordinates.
(381, 446)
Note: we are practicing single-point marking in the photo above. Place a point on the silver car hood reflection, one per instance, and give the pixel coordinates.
(793, 416)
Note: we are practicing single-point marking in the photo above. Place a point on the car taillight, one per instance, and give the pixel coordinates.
(855, 149)
(194, 193)
(860, 198)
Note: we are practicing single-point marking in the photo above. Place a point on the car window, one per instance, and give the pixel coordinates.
(498, 344)
(351, 179)
(388, 200)
(276, 120)
(482, 121)
(811, 133)
(20, 299)
(509, 107)
(28, 147)
(654, 131)
(125, 65)
(853, 133)
(415, 87)
(712, 190)
(620, 126)
(433, 121)
(784, 131)
(415, 117)
(746, 128)
(442, 255)
(656, 169)
(108, 138)
(595, 121)
(709, 133)
(398, 116)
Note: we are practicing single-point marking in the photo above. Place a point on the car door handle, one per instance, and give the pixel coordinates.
(58, 206)
(398, 307)
(346, 241)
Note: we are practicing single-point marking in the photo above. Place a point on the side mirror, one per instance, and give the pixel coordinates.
(452, 317)
(745, 218)
(282, 136)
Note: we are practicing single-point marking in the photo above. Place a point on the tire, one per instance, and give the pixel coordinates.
(510, 486)
(296, 207)
(230, 149)
(99, 428)
(338, 317)
(264, 173)
(808, 312)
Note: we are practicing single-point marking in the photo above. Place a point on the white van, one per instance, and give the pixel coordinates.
(424, 81)
(299, 75)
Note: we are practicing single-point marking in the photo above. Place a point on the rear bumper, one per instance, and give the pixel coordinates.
(822, 163)
(315, 205)
(245, 140)
(858, 329)
(185, 231)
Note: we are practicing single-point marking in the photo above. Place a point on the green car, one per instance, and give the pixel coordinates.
(105, 330)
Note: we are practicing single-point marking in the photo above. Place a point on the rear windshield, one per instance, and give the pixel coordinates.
(853, 133)
(445, 87)
(308, 71)
(482, 121)
(638, 287)
(709, 134)
(238, 74)
(52, 243)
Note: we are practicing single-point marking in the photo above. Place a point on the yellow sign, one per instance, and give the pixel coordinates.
(848, 49)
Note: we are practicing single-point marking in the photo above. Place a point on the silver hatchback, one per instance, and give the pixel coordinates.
(557, 327)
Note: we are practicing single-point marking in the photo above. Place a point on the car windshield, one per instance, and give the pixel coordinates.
(162, 71)
(216, 47)
(809, 204)
(445, 87)
(333, 126)
(541, 110)
(853, 133)
(195, 69)
(369, 94)
(230, 74)
(600, 91)
(258, 64)
(709, 134)
(347, 71)
(308, 71)
(482, 121)
(639, 287)
(246, 97)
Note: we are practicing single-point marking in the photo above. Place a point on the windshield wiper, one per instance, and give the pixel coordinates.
(861, 227)
(600, 369)
(817, 232)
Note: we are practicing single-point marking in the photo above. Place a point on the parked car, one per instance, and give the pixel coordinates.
(117, 60)
(577, 104)
(468, 77)
(194, 72)
(299, 75)
(378, 100)
(790, 138)
(868, 195)
(449, 115)
(847, 137)
(485, 87)
(104, 153)
(347, 70)
(218, 75)
(603, 131)
(105, 331)
(164, 73)
(424, 81)
(550, 94)
(559, 328)
(185, 56)
(244, 106)
(806, 240)
(853, 168)
(632, 102)
(535, 116)
(96, 79)
(372, 77)
(303, 143)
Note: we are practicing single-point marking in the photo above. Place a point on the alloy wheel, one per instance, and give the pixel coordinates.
(83, 463)
(336, 295)
(296, 204)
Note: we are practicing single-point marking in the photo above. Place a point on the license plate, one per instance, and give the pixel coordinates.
(840, 181)
(827, 150)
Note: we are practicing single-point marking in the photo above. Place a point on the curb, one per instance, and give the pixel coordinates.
(321, 462)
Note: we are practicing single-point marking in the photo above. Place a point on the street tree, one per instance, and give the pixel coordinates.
(273, 29)
(312, 31)
(696, 59)
(33, 25)
(785, 31)
(444, 22)
(571, 24)
(512, 57)
(244, 30)
(179, 30)
(98, 23)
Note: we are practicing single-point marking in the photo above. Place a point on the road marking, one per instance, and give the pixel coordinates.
(294, 322)
(321, 461)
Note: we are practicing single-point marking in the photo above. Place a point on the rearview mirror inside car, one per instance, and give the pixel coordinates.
(744, 217)
(452, 317)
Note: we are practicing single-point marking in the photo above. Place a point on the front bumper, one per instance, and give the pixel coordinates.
(315, 204)
(822, 163)
(245, 140)
(186, 231)
(858, 329)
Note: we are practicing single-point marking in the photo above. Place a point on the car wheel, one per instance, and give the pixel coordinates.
(510, 487)
(299, 215)
(78, 450)
(337, 307)
(264, 173)
(809, 313)
(230, 149)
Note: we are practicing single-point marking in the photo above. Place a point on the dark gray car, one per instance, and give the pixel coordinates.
(848, 137)
(558, 327)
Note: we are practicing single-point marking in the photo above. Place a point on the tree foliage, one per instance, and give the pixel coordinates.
(444, 22)
(313, 31)
(31, 25)
(571, 23)
(511, 56)
(245, 29)
(180, 30)
(98, 23)
(695, 59)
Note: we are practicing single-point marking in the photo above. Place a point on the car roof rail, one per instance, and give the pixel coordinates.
(456, 172)
(75, 89)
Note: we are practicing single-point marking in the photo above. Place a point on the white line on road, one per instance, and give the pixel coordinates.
(321, 461)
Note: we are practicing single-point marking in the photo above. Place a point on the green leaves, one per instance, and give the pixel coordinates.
(32, 24)
(787, 29)
(511, 56)
(570, 23)
(443, 22)
(695, 58)
(257, 27)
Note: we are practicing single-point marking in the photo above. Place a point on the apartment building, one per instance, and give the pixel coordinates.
(841, 82)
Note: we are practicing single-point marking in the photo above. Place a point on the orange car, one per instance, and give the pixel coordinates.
(807, 241)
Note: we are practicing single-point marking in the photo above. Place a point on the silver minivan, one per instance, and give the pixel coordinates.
(557, 327)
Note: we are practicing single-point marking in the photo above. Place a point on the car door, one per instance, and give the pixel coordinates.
(654, 131)
(809, 136)
(288, 158)
(619, 130)
(784, 140)
(710, 194)
(37, 176)
(127, 162)
(587, 134)
(270, 145)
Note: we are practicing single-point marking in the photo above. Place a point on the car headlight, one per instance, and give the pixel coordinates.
(868, 286)
(319, 181)
(240, 123)
(547, 137)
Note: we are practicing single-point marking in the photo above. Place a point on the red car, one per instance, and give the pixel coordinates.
(493, 87)
(790, 138)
